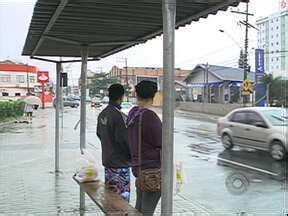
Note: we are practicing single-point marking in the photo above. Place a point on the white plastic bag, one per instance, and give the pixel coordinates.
(179, 176)
(87, 169)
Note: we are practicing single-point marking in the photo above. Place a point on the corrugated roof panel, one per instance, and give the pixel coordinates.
(90, 21)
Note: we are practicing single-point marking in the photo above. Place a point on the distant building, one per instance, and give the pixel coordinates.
(273, 38)
(133, 75)
(16, 80)
(224, 84)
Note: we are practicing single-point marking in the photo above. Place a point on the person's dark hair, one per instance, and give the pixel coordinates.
(116, 92)
(146, 89)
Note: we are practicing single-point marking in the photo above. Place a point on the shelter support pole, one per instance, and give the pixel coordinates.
(57, 115)
(169, 14)
(84, 55)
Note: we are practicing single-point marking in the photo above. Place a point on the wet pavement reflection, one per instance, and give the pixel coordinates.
(254, 161)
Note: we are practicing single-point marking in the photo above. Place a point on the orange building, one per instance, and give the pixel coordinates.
(17, 80)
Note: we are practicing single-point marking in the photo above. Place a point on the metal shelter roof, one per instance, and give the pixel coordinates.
(60, 27)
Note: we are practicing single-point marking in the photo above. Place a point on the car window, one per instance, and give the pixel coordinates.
(239, 117)
(253, 118)
(277, 117)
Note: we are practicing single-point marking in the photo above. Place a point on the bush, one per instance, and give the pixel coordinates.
(9, 109)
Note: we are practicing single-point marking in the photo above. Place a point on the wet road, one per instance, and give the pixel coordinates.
(241, 181)
(238, 182)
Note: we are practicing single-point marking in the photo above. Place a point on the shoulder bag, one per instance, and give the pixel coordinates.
(148, 180)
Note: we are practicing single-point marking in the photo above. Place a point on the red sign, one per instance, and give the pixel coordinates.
(43, 77)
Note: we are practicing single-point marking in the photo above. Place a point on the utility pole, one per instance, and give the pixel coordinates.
(27, 77)
(205, 96)
(246, 45)
(126, 79)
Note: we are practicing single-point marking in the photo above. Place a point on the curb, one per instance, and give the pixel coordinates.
(198, 115)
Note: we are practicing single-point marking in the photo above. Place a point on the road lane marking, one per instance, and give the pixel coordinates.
(247, 166)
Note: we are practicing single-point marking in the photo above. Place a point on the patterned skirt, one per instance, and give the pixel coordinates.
(118, 179)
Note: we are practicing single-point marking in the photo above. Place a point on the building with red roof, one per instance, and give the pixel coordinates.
(16, 79)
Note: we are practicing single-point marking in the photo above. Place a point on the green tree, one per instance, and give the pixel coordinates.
(101, 82)
(241, 59)
(276, 89)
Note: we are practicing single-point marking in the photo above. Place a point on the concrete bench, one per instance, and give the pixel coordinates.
(110, 202)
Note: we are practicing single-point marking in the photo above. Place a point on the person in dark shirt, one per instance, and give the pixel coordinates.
(112, 132)
(151, 142)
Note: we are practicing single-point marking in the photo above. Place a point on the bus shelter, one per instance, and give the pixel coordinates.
(90, 30)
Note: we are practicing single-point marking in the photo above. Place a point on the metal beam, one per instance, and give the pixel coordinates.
(115, 43)
(63, 40)
(43, 59)
(53, 19)
(84, 54)
(113, 51)
(57, 116)
(169, 19)
(80, 60)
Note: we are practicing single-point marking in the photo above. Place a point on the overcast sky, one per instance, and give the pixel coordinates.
(199, 42)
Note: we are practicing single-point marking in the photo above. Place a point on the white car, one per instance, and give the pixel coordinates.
(263, 128)
(126, 107)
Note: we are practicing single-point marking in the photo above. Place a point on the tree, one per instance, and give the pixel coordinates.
(276, 89)
(100, 83)
(241, 61)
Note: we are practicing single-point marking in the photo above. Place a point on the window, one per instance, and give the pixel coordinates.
(5, 78)
(17, 94)
(5, 94)
(20, 78)
(277, 59)
(276, 117)
(239, 117)
(32, 79)
(253, 118)
(277, 43)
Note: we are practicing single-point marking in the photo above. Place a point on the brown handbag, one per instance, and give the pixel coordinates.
(148, 180)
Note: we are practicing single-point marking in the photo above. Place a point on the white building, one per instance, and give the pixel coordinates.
(273, 38)
(17, 79)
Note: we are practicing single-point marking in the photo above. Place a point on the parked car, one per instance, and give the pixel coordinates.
(263, 128)
(96, 102)
(105, 100)
(68, 102)
(126, 107)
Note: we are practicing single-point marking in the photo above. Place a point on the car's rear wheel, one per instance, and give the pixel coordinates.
(277, 150)
(227, 141)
